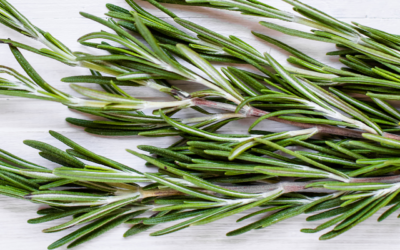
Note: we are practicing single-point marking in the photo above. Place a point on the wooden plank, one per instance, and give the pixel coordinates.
(31, 119)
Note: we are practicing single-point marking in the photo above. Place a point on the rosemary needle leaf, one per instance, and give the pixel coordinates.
(368, 212)
(138, 228)
(97, 213)
(303, 158)
(199, 132)
(166, 153)
(344, 150)
(82, 231)
(267, 196)
(97, 79)
(325, 205)
(279, 216)
(103, 228)
(113, 132)
(18, 161)
(82, 150)
(44, 147)
(182, 189)
(187, 223)
(209, 186)
(293, 32)
(98, 176)
(332, 212)
(266, 210)
(13, 192)
(388, 212)
(349, 212)
(60, 214)
(57, 159)
(283, 112)
(174, 217)
(330, 159)
(50, 210)
(382, 140)
(150, 40)
(54, 184)
(19, 181)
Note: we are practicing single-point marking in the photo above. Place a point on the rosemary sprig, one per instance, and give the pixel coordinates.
(305, 92)
(195, 188)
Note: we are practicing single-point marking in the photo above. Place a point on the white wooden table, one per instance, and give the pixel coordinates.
(22, 119)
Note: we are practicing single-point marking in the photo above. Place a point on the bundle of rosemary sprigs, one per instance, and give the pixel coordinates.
(346, 173)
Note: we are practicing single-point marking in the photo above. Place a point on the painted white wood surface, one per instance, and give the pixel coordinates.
(30, 119)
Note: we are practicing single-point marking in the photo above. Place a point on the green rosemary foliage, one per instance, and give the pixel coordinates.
(134, 64)
(202, 189)
(207, 176)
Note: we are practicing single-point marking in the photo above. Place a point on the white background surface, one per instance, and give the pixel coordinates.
(31, 119)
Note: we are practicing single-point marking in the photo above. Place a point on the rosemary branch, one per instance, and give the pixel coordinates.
(99, 190)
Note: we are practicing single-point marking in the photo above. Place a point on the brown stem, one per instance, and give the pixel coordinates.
(159, 193)
(380, 179)
(287, 186)
(391, 136)
(326, 129)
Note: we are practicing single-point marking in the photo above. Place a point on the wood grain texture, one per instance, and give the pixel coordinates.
(30, 119)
